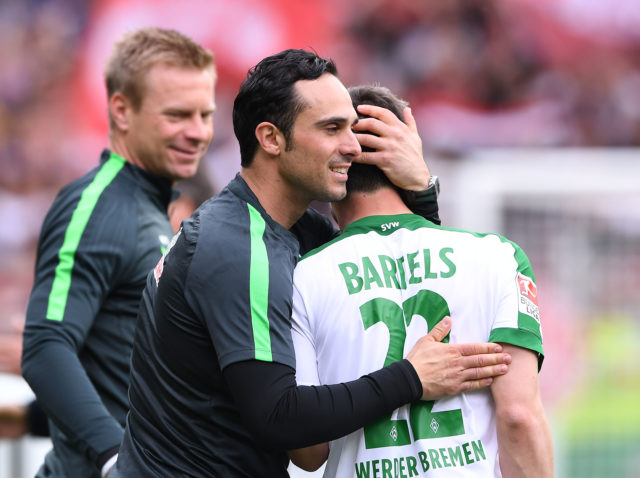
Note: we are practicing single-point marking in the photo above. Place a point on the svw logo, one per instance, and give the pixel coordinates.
(389, 226)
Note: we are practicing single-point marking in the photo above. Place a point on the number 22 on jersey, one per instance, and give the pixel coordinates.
(423, 423)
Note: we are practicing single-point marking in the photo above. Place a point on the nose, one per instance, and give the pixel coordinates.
(350, 146)
(200, 129)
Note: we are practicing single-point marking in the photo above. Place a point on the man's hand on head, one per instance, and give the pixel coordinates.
(397, 146)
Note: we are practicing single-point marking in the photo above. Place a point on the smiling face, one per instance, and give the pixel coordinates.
(322, 145)
(172, 129)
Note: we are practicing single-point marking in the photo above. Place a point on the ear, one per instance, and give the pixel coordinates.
(270, 138)
(119, 111)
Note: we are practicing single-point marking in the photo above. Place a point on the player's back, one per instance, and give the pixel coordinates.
(365, 299)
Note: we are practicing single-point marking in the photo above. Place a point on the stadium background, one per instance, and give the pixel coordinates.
(529, 112)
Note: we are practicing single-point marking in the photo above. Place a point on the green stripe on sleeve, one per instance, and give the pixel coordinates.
(521, 338)
(79, 219)
(259, 287)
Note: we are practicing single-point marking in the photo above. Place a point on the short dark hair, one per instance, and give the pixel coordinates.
(367, 177)
(267, 94)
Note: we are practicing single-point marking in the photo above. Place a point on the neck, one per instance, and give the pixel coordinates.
(279, 201)
(384, 201)
(118, 146)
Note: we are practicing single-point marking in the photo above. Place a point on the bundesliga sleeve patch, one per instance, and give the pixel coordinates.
(528, 296)
(157, 270)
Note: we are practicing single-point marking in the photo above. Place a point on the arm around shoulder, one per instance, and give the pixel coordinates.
(524, 438)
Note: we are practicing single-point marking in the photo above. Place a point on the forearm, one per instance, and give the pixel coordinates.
(68, 397)
(525, 445)
(524, 439)
(282, 415)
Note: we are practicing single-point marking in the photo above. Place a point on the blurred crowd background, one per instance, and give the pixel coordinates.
(528, 75)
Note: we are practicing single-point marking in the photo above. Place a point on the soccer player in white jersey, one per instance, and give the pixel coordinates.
(362, 301)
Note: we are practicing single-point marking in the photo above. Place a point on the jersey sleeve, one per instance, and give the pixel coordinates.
(284, 416)
(80, 252)
(240, 285)
(517, 319)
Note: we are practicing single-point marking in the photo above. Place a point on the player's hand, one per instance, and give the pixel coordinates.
(398, 147)
(449, 369)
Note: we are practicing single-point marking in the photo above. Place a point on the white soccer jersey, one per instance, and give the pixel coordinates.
(363, 300)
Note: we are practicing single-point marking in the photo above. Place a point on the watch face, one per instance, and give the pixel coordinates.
(435, 183)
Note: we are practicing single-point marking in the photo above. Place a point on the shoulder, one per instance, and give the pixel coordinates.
(488, 242)
(313, 230)
(90, 203)
(217, 236)
(222, 219)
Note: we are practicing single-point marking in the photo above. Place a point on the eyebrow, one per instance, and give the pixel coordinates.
(334, 119)
(185, 110)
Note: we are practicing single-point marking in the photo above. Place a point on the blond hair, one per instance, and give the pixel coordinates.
(137, 52)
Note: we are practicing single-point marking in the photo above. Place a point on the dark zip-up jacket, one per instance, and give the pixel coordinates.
(101, 237)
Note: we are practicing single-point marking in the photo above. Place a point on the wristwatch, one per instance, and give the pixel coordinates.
(431, 193)
(425, 202)
(434, 183)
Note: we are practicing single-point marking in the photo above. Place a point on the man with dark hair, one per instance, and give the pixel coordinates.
(213, 390)
(101, 237)
(361, 301)
(282, 104)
